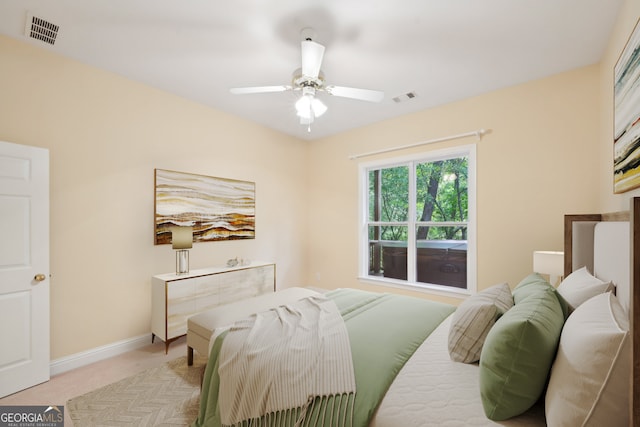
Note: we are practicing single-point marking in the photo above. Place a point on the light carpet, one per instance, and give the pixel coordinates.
(167, 395)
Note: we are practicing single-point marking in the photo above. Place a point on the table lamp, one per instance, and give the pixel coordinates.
(181, 240)
(551, 263)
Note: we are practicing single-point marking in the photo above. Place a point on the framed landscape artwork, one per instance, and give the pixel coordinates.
(216, 208)
(626, 138)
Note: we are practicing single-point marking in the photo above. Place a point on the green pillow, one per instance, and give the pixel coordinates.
(529, 285)
(532, 284)
(518, 353)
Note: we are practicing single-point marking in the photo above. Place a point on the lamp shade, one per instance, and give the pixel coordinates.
(182, 237)
(309, 105)
(548, 262)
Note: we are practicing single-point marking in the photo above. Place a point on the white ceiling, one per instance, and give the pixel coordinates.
(442, 50)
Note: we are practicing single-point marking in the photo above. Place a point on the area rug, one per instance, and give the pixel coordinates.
(167, 395)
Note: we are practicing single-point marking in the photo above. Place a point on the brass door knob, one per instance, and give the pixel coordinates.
(39, 277)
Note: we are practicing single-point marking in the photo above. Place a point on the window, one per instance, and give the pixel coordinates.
(418, 220)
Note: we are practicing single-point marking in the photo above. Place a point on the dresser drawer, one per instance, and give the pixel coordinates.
(175, 298)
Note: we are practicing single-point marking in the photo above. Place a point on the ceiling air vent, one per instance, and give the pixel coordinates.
(39, 29)
(404, 97)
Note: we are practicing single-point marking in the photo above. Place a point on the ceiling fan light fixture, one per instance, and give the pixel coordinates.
(309, 79)
(308, 105)
(318, 107)
(303, 106)
(306, 121)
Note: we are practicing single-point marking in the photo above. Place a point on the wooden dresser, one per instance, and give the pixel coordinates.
(176, 297)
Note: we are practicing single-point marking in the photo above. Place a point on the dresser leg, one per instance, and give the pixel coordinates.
(189, 356)
(153, 337)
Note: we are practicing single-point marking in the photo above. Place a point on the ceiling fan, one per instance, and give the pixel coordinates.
(309, 80)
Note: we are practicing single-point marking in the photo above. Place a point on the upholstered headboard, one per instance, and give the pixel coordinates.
(603, 247)
(612, 257)
(609, 246)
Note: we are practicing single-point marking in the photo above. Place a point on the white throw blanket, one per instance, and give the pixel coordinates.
(275, 363)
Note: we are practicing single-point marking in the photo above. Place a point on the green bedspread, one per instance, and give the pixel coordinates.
(384, 331)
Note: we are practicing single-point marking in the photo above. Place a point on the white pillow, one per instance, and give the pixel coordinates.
(581, 285)
(473, 319)
(589, 383)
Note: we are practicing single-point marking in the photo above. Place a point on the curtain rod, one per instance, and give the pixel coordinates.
(477, 133)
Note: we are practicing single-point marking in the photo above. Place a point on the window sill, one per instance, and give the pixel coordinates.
(418, 287)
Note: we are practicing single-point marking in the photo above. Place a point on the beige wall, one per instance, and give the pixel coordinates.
(530, 171)
(106, 135)
(549, 153)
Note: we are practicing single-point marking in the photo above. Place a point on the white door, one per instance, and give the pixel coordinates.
(24, 267)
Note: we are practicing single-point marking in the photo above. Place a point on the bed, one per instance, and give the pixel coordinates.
(429, 388)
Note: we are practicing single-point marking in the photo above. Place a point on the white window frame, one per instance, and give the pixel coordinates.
(363, 220)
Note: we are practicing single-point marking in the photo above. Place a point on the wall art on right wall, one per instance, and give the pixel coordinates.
(626, 117)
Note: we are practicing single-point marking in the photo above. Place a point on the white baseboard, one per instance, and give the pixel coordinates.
(78, 360)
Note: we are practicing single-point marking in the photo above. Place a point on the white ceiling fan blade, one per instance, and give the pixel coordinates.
(351, 92)
(258, 89)
(312, 53)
